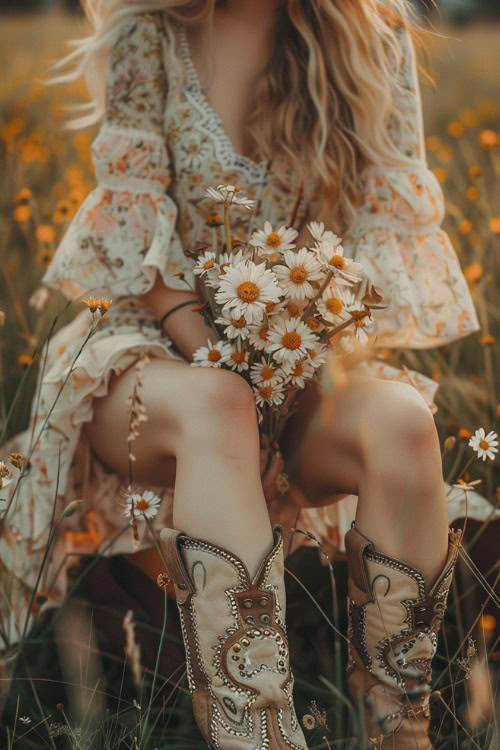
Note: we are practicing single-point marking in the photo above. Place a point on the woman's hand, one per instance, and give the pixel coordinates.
(271, 465)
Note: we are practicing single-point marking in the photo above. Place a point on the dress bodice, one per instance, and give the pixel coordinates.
(161, 144)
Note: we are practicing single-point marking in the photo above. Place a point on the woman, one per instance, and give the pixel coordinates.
(287, 93)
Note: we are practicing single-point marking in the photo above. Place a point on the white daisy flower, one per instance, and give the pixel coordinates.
(236, 328)
(229, 194)
(270, 241)
(331, 256)
(316, 355)
(265, 372)
(316, 228)
(462, 485)
(258, 336)
(213, 355)
(237, 360)
(245, 289)
(206, 263)
(6, 475)
(269, 394)
(360, 327)
(144, 504)
(484, 445)
(289, 339)
(333, 305)
(301, 268)
(299, 373)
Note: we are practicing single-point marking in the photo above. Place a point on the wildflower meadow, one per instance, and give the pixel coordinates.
(67, 683)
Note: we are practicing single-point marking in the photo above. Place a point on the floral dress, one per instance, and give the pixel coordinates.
(160, 145)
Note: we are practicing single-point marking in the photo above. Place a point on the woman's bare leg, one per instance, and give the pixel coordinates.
(377, 439)
(202, 429)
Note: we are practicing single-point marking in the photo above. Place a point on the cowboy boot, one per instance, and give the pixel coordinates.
(393, 631)
(234, 634)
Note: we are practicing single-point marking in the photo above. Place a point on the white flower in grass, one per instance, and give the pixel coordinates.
(289, 339)
(301, 268)
(258, 336)
(269, 393)
(484, 445)
(237, 360)
(270, 241)
(6, 475)
(213, 355)
(245, 289)
(144, 504)
(334, 304)
(265, 372)
(316, 355)
(206, 263)
(299, 373)
(236, 328)
(330, 254)
(229, 194)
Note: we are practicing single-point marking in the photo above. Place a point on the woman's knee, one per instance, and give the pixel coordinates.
(220, 406)
(402, 437)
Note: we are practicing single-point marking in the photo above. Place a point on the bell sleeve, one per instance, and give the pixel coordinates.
(398, 238)
(124, 234)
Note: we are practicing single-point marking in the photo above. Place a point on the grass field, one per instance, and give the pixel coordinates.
(46, 173)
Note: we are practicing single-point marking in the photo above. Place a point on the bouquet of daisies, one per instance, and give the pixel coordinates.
(275, 308)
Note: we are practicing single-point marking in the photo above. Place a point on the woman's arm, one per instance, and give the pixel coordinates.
(185, 327)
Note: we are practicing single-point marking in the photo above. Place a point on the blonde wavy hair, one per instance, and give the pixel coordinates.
(323, 103)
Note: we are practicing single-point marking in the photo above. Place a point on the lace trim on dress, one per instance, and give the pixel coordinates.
(209, 121)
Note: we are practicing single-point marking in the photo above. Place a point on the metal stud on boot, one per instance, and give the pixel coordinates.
(393, 630)
(236, 645)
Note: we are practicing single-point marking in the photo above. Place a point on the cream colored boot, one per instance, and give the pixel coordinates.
(236, 645)
(393, 629)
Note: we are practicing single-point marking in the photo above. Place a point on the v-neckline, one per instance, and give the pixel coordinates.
(194, 80)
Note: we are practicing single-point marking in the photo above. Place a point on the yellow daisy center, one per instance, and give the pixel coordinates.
(238, 357)
(293, 310)
(359, 323)
(291, 340)
(208, 264)
(223, 267)
(214, 355)
(270, 307)
(299, 369)
(241, 323)
(337, 261)
(334, 305)
(273, 239)
(248, 291)
(264, 333)
(267, 373)
(298, 274)
(484, 445)
(142, 504)
(266, 391)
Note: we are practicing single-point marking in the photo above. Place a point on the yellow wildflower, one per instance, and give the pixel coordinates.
(472, 193)
(45, 233)
(473, 272)
(465, 226)
(488, 138)
(455, 129)
(22, 213)
(24, 195)
(494, 224)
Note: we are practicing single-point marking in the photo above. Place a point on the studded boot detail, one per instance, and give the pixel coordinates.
(234, 634)
(393, 631)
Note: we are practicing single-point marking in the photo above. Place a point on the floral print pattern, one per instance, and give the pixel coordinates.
(160, 145)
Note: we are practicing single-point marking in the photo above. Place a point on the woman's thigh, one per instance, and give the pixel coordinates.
(163, 391)
(333, 437)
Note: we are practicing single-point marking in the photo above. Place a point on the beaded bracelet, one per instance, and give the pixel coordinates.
(159, 323)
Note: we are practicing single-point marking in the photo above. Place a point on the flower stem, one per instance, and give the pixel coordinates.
(227, 229)
(310, 306)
